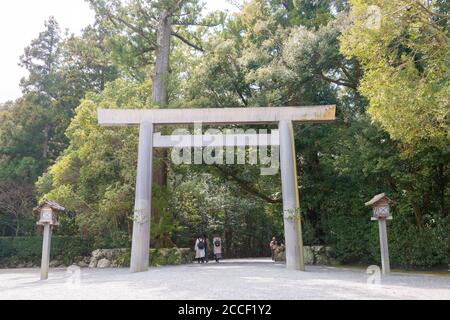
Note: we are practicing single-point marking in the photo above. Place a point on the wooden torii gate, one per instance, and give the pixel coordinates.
(146, 119)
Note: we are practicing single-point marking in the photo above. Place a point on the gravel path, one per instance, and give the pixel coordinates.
(249, 279)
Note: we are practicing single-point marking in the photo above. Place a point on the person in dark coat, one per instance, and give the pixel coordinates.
(205, 239)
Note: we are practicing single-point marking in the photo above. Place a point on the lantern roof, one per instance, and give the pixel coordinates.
(377, 198)
(54, 205)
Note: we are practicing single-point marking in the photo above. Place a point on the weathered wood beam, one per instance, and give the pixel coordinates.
(266, 115)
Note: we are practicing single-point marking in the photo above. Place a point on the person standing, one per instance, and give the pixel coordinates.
(205, 239)
(273, 245)
(217, 242)
(200, 250)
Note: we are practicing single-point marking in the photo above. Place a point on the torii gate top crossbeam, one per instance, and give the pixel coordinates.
(124, 117)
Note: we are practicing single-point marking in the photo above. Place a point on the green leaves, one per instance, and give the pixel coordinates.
(95, 176)
(41, 59)
(405, 63)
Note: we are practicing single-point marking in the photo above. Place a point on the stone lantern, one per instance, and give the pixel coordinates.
(381, 208)
(48, 217)
(381, 213)
(49, 213)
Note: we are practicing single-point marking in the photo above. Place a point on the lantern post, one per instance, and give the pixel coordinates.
(381, 213)
(48, 217)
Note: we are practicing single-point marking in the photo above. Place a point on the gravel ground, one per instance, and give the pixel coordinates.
(249, 279)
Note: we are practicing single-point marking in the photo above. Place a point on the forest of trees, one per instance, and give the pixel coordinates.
(388, 78)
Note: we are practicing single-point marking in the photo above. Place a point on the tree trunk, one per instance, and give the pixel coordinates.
(228, 236)
(160, 92)
(417, 214)
(442, 180)
(160, 95)
(160, 98)
(17, 226)
(45, 147)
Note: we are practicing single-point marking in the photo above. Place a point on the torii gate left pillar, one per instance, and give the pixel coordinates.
(283, 116)
(143, 201)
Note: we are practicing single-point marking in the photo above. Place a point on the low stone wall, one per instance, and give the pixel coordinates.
(105, 258)
(118, 258)
(313, 255)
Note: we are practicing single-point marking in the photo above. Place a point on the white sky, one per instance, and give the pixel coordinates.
(22, 20)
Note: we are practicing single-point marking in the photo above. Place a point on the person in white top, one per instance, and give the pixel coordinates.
(200, 250)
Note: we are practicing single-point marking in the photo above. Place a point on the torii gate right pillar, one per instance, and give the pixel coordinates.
(291, 203)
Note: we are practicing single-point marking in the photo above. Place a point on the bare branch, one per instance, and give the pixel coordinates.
(430, 12)
(195, 23)
(139, 31)
(186, 41)
(245, 186)
(340, 82)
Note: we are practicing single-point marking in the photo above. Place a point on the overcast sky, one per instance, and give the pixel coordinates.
(22, 20)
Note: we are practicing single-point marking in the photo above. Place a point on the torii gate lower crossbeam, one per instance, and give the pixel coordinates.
(148, 118)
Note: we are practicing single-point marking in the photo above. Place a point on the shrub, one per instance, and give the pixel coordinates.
(356, 240)
(350, 239)
(426, 247)
(123, 259)
(30, 248)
